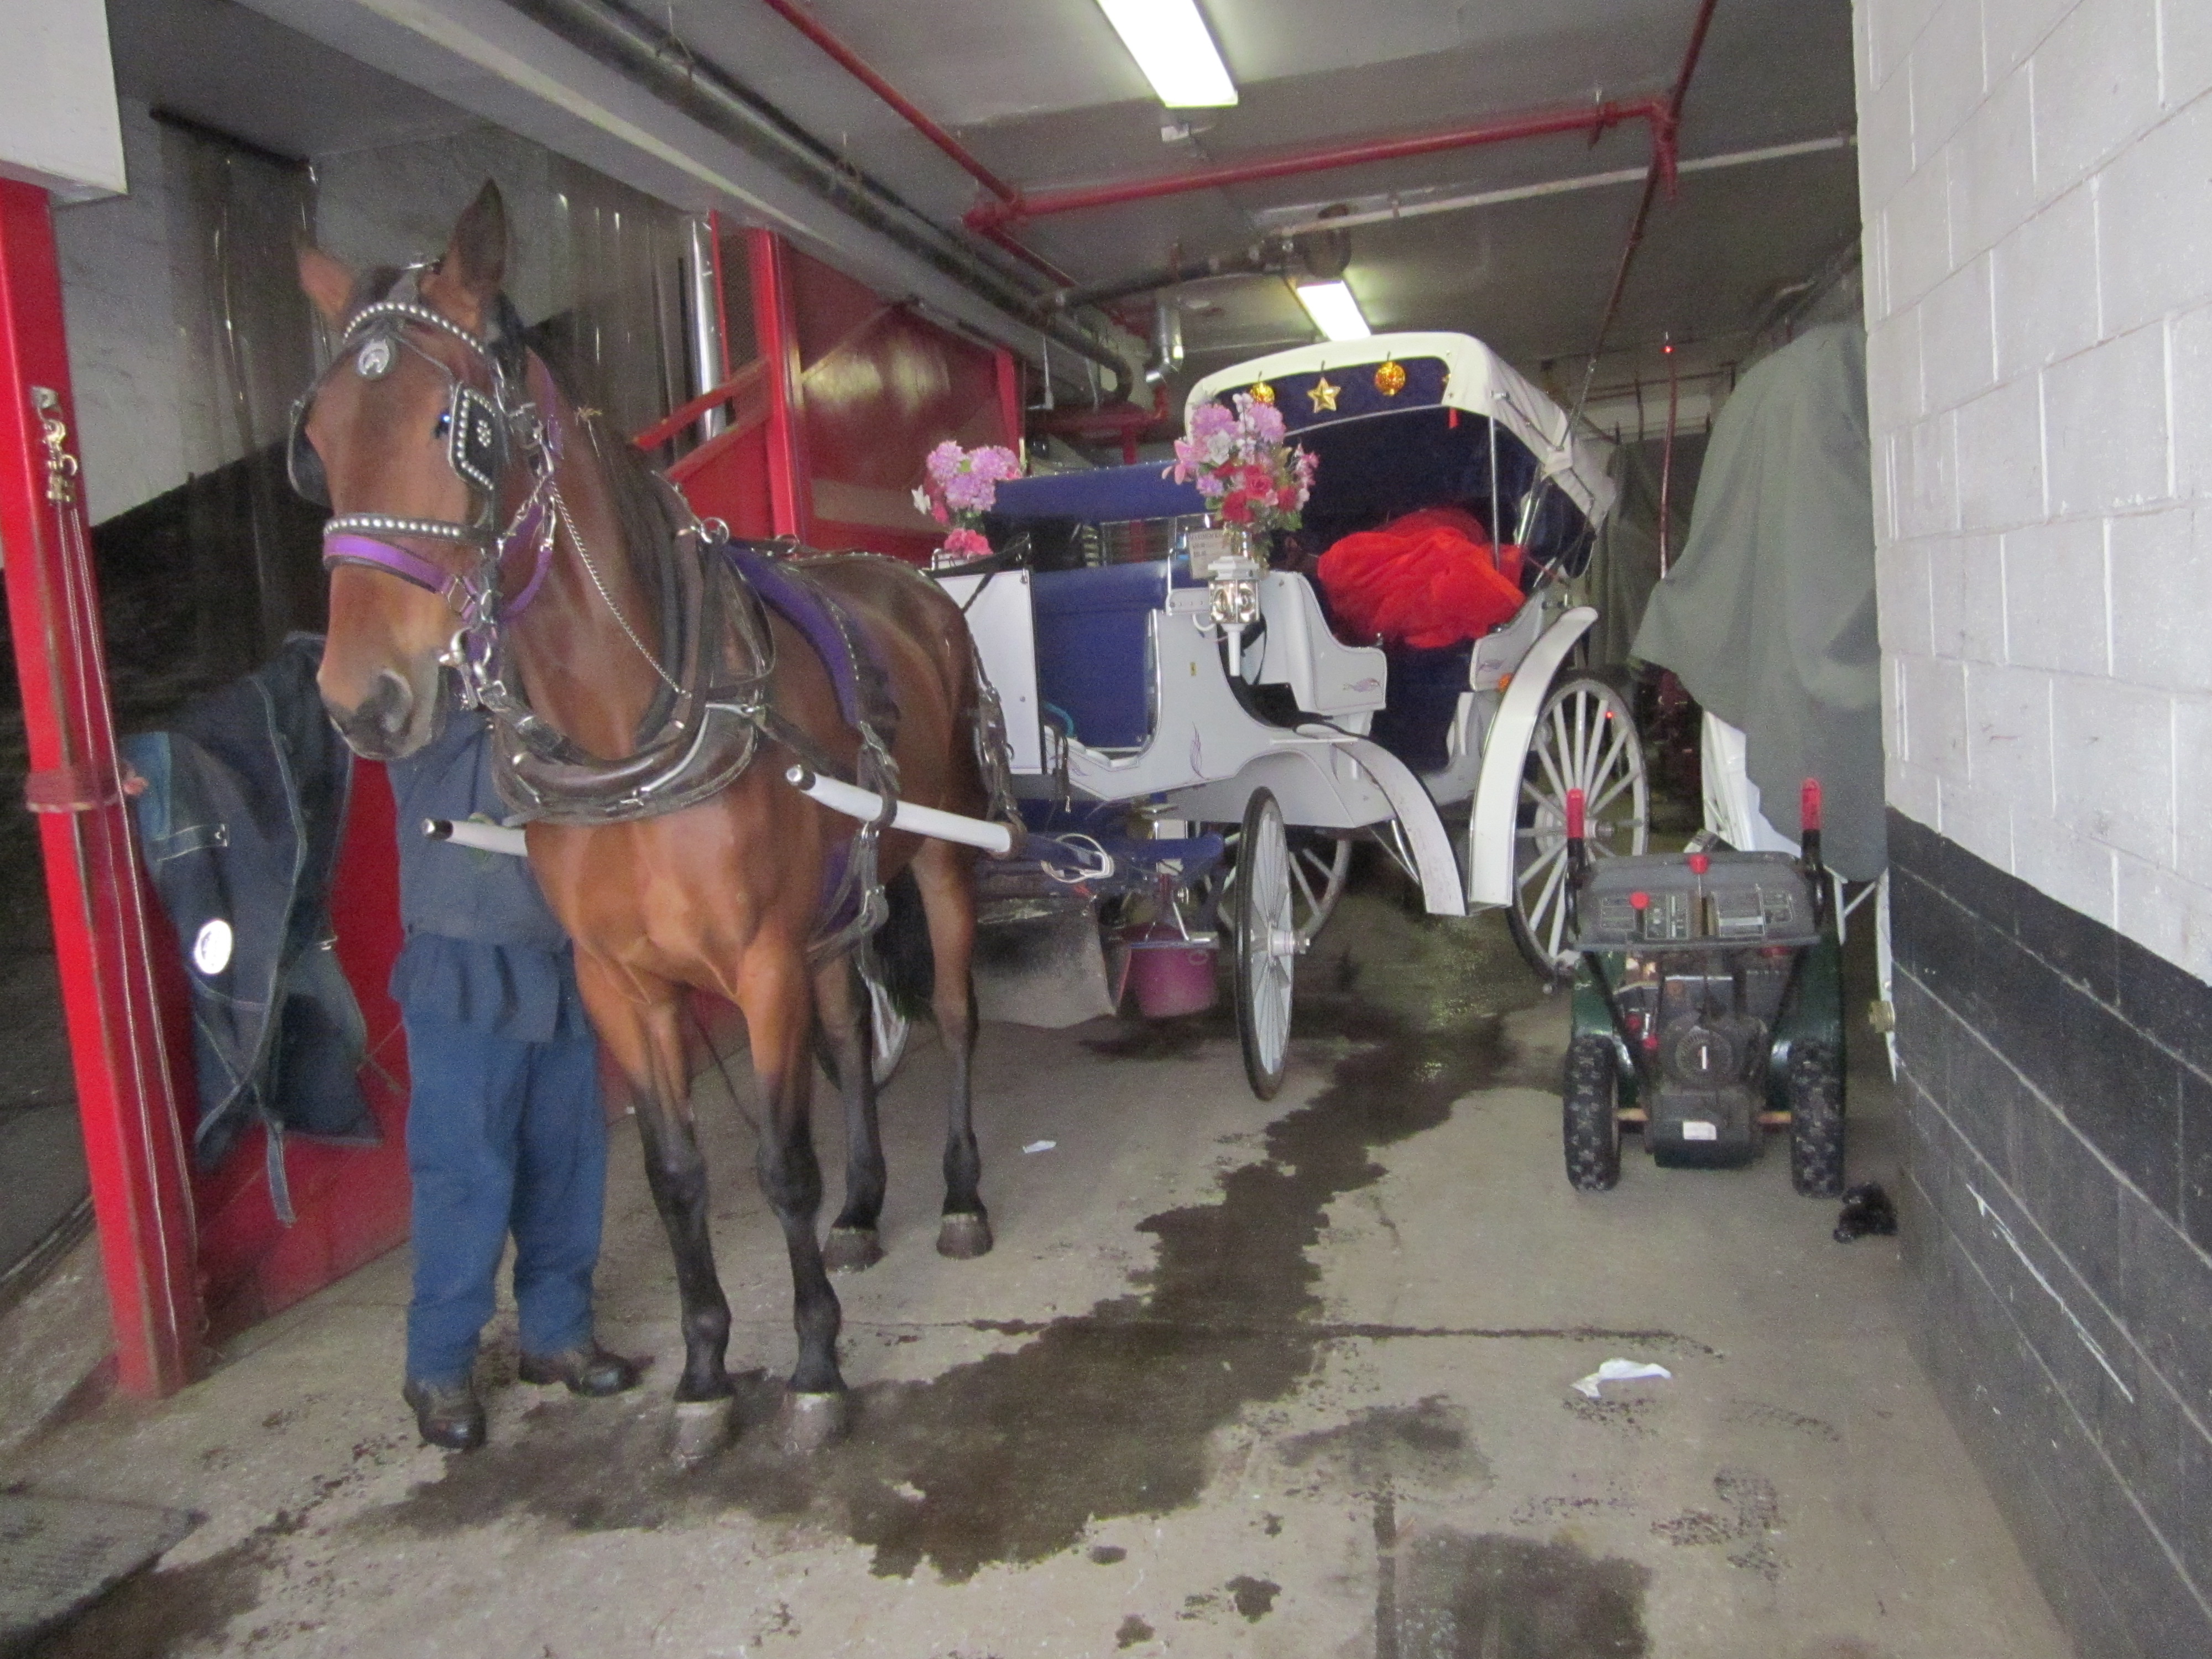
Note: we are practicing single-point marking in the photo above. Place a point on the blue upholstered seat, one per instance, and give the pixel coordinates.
(1093, 649)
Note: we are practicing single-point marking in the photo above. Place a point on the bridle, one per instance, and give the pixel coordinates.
(481, 431)
(518, 418)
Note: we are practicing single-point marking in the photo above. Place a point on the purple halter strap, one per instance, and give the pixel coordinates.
(347, 548)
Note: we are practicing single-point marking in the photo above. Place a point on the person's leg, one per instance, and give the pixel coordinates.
(560, 1192)
(462, 1116)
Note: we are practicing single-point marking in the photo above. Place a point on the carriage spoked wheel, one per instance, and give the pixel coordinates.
(1585, 739)
(1267, 944)
(1320, 864)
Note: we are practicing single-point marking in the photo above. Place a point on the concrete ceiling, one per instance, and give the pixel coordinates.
(1043, 93)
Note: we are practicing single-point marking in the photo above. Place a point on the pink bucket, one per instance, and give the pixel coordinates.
(1170, 975)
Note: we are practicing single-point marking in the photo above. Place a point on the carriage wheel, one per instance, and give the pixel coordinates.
(1585, 739)
(1320, 865)
(1267, 943)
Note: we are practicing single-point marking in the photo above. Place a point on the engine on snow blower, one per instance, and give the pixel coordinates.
(1707, 1005)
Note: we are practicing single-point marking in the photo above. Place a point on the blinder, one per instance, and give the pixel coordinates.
(475, 425)
(303, 468)
(476, 439)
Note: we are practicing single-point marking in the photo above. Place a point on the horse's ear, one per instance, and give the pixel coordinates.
(327, 283)
(475, 265)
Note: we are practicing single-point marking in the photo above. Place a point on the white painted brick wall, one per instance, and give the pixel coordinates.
(2037, 185)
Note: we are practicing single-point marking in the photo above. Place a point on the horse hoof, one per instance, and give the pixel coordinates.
(702, 1428)
(811, 1421)
(851, 1250)
(964, 1237)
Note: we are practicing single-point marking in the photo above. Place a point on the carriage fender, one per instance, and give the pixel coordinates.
(1505, 751)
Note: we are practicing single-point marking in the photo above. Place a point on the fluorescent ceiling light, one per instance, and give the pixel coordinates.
(1169, 41)
(1333, 311)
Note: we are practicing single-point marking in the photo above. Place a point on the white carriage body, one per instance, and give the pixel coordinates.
(1198, 749)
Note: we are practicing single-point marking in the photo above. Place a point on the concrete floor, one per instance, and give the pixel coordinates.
(1240, 1379)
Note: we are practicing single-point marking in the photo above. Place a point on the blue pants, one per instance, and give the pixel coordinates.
(502, 1137)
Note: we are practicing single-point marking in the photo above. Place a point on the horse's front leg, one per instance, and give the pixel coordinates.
(841, 1007)
(645, 1041)
(778, 1007)
(946, 876)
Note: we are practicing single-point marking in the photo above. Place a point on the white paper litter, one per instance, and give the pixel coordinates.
(1040, 1146)
(1618, 1371)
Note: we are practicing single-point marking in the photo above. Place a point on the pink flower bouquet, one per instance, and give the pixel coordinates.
(1243, 467)
(959, 487)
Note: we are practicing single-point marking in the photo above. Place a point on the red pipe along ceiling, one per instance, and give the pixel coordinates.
(859, 68)
(1010, 206)
(1595, 119)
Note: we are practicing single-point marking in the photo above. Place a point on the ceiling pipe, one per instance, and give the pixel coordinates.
(1423, 209)
(1594, 119)
(966, 158)
(664, 64)
(858, 69)
(1662, 172)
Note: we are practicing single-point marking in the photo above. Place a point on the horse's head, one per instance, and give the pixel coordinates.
(403, 438)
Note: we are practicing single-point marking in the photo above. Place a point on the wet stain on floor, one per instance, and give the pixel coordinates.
(1014, 1457)
(1426, 1442)
(1254, 1598)
(157, 1613)
(1495, 1596)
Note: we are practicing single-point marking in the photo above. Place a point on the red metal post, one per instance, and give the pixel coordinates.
(141, 1190)
(790, 485)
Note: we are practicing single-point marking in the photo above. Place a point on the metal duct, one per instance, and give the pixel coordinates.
(646, 53)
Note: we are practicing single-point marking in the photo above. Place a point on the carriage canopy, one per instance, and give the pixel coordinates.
(1340, 383)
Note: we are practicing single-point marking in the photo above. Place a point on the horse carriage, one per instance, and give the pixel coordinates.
(1187, 709)
(637, 665)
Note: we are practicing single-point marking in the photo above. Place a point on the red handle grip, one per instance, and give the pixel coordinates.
(1578, 815)
(1809, 805)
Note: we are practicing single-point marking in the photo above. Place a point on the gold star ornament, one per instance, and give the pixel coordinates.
(1324, 396)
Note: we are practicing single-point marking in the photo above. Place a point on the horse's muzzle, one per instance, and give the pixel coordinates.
(378, 726)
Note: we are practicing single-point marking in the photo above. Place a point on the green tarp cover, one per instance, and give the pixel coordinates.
(1768, 618)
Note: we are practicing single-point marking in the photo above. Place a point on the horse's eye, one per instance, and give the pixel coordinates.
(445, 424)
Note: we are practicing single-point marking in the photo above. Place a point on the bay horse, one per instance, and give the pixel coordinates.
(485, 522)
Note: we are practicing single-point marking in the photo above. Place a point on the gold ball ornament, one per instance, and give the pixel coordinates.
(1390, 379)
(1262, 393)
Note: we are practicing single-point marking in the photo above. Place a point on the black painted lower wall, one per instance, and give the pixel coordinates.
(2058, 1086)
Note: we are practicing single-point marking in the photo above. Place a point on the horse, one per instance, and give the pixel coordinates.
(486, 525)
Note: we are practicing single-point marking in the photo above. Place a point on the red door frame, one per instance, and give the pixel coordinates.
(140, 1190)
(790, 481)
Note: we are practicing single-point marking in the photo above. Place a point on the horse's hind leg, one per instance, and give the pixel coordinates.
(843, 1014)
(946, 875)
(774, 991)
(646, 1044)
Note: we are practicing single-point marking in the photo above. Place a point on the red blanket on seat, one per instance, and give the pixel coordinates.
(1429, 579)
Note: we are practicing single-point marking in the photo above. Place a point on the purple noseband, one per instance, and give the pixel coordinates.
(349, 549)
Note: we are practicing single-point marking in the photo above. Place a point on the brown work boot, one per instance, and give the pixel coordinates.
(449, 1414)
(590, 1370)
